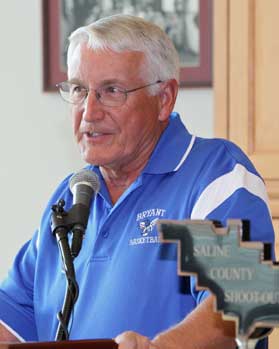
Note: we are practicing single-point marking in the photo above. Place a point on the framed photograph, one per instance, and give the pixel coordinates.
(187, 22)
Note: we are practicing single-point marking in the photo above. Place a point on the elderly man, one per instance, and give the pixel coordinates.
(122, 86)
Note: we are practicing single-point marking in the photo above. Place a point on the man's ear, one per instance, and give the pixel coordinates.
(167, 94)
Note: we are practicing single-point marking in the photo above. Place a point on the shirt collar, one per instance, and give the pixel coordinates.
(172, 148)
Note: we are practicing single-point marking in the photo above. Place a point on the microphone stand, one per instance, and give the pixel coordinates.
(62, 224)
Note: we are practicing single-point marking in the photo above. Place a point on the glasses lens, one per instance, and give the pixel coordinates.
(64, 91)
(111, 96)
(72, 93)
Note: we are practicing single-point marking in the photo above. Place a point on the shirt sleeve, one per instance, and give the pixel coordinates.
(16, 294)
(18, 289)
(229, 187)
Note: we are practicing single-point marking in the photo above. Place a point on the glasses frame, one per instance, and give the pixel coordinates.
(98, 95)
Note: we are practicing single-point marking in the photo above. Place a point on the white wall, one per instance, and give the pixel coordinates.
(36, 146)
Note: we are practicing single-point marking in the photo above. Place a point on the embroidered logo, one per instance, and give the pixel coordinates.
(146, 222)
(146, 226)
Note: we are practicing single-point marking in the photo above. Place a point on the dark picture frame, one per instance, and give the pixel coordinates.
(197, 73)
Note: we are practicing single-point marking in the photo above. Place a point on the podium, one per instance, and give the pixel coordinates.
(239, 272)
(72, 344)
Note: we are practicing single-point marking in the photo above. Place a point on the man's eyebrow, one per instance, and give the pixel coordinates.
(75, 81)
(110, 81)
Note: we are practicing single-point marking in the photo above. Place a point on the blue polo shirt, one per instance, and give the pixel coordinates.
(128, 279)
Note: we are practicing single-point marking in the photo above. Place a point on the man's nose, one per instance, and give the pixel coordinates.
(93, 109)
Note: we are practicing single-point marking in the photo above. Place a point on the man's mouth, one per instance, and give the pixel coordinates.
(97, 137)
(94, 134)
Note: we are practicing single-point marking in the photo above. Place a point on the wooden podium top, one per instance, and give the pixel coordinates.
(74, 344)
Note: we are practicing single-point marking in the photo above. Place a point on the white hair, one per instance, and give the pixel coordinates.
(130, 33)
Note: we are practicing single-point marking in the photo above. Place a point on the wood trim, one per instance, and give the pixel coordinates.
(239, 72)
(73, 344)
(221, 67)
(251, 77)
(234, 92)
(266, 163)
(273, 193)
(276, 229)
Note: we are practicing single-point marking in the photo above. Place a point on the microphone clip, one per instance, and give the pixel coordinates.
(75, 219)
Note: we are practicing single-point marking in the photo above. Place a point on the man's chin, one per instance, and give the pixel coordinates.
(95, 160)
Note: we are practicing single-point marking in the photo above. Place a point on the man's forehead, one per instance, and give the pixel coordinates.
(83, 52)
(105, 60)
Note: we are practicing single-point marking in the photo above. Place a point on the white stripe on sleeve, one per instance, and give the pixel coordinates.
(223, 187)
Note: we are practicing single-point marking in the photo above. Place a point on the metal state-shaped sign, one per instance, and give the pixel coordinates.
(246, 285)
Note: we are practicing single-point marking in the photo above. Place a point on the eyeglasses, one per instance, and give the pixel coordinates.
(108, 95)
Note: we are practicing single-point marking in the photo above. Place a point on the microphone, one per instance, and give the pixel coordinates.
(84, 185)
